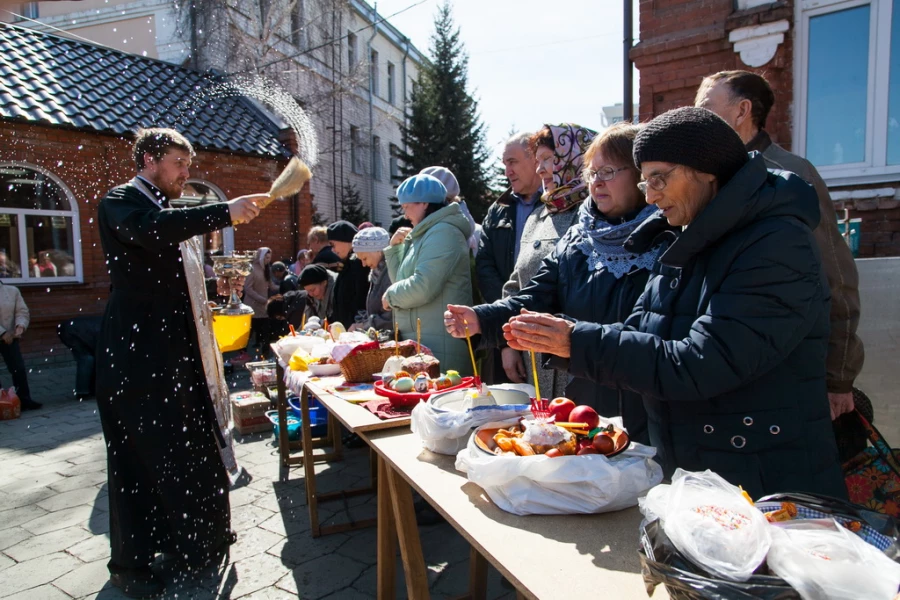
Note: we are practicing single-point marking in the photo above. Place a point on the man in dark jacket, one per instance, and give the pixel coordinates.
(501, 232)
(352, 285)
(322, 252)
(159, 386)
(743, 100)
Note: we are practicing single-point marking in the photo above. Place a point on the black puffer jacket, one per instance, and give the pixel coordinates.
(727, 344)
(564, 284)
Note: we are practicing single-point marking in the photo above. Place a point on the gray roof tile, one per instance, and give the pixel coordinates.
(52, 80)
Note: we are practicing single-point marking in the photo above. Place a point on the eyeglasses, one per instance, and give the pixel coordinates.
(603, 174)
(656, 182)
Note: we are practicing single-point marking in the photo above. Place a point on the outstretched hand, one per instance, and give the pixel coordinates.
(244, 208)
(539, 332)
(458, 317)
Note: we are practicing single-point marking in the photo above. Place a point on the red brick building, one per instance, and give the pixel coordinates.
(68, 111)
(831, 65)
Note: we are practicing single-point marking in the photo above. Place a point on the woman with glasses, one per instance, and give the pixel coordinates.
(589, 275)
(727, 344)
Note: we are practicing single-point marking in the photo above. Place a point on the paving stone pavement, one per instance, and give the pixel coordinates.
(54, 526)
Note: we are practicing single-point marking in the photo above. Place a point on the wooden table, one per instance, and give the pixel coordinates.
(571, 556)
(354, 417)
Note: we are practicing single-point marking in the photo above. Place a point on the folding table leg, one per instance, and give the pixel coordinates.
(387, 538)
(284, 447)
(408, 536)
(477, 575)
(309, 463)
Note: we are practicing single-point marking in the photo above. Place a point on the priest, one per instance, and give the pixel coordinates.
(161, 393)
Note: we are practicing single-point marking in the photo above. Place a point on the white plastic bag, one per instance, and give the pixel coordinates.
(711, 523)
(447, 431)
(526, 485)
(824, 561)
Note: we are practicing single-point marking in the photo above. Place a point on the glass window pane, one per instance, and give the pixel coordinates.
(10, 261)
(893, 143)
(50, 246)
(837, 87)
(21, 187)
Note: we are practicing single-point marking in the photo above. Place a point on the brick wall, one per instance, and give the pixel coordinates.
(684, 40)
(89, 164)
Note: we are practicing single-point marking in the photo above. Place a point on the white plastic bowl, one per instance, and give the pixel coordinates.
(326, 370)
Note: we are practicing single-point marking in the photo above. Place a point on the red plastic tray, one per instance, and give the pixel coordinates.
(401, 399)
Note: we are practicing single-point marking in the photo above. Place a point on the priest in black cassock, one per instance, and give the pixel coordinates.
(160, 387)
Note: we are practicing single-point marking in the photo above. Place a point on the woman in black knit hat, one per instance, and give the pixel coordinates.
(727, 345)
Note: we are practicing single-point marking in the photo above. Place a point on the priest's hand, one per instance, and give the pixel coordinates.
(458, 317)
(244, 208)
(540, 333)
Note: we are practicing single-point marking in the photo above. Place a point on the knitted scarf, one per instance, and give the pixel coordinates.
(602, 242)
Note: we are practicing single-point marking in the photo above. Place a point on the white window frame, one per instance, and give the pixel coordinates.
(352, 52)
(374, 78)
(377, 170)
(356, 165)
(227, 232)
(391, 76)
(23, 238)
(874, 169)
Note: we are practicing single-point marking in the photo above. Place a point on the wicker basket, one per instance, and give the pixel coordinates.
(360, 367)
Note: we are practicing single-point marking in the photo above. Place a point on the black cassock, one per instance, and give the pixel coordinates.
(168, 486)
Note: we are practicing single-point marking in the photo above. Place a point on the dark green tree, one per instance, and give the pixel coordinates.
(351, 205)
(444, 127)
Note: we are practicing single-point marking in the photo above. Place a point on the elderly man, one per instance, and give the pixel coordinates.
(743, 100)
(161, 393)
(501, 232)
(321, 249)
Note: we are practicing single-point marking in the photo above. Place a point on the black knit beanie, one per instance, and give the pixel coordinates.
(341, 231)
(693, 137)
(312, 274)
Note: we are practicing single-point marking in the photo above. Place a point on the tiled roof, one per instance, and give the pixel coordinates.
(52, 80)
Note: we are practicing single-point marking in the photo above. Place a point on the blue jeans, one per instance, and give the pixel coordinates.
(12, 356)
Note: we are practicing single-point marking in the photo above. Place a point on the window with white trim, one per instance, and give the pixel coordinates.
(847, 69)
(40, 235)
(198, 193)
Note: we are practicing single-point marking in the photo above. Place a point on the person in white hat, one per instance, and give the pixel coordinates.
(369, 245)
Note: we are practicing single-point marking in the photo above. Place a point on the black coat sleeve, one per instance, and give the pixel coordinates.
(763, 309)
(135, 220)
(540, 295)
(490, 279)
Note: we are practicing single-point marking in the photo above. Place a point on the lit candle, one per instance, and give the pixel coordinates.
(471, 354)
(537, 387)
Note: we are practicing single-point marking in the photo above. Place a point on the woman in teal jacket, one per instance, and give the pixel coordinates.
(429, 265)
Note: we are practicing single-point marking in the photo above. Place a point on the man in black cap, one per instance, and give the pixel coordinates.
(352, 284)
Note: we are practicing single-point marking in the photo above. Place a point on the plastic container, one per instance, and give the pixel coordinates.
(232, 331)
(317, 414)
(262, 374)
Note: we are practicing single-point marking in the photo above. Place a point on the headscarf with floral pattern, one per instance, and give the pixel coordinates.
(570, 143)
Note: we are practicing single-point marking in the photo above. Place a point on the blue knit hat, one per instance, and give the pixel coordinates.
(422, 188)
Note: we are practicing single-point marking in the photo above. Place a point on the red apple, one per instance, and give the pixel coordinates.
(584, 414)
(560, 408)
(586, 450)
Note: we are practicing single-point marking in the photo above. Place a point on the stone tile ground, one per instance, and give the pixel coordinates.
(54, 518)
